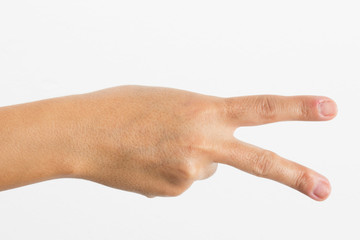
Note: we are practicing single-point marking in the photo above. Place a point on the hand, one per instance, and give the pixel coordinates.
(157, 141)
(151, 140)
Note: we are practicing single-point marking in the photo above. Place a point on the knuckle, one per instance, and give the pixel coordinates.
(229, 108)
(303, 181)
(187, 171)
(266, 107)
(173, 190)
(180, 174)
(177, 181)
(263, 163)
(304, 110)
(200, 108)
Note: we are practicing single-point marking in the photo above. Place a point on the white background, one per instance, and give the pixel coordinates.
(223, 48)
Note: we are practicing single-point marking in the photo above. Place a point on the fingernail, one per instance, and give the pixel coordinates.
(327, 108)
(321, 190)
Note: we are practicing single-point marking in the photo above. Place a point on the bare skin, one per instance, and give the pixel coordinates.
(151, 140)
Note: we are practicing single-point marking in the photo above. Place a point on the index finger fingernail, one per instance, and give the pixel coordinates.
(327, 108)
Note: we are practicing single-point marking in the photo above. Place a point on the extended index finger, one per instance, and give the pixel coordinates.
(262, 109)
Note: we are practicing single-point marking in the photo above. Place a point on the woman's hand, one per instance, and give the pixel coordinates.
(157, 141)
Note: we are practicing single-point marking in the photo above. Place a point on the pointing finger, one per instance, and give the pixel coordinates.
(262, 109)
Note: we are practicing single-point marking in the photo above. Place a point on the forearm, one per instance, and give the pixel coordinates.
(32, 144)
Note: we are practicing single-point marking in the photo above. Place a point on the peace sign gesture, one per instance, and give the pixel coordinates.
(158, 141)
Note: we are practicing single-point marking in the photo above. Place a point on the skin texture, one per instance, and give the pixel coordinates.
(151, 140)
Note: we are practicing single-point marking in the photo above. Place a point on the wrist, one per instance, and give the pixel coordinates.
(32, 145)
